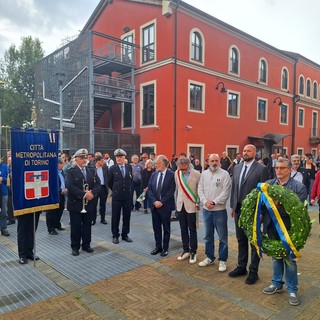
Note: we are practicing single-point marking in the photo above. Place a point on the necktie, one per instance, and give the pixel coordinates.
(84, 173)
(122, 171)
(159, 186)
(242, 178)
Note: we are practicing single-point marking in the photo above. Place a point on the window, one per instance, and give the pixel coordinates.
(148, 43)
(301, 85)
(314, 130)
(233, 105)
(283, 114)
(262, 110)
(127, 119)
(300, 151)
(301, 117)
(263, 71)
(309, 88)
(284, 79)
(197, 151)
(234, 61)
(315, 90)
(196, 47)
(148, 105)
(127, 49)
(196, 97)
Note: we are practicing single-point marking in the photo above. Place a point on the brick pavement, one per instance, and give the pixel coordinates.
(169, 289)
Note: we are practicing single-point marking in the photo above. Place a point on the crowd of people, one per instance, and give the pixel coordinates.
(155, 184)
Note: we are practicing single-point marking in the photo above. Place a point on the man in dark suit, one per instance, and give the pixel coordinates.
(102, 172)
(245, 178)
(83, 185)
(53, 217)
(161, 189)
(120, 182)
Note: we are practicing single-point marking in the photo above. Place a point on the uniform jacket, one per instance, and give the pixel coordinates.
(167, 191)
(121, 186)
(182, 199)
(75, 182)
(257, 173)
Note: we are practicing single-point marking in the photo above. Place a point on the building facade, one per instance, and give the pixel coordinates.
(200, 85)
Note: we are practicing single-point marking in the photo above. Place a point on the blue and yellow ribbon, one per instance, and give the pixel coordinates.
(264, 198)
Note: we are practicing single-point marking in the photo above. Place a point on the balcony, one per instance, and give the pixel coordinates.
(314, 136)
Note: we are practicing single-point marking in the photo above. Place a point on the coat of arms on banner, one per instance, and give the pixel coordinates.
(36, 184)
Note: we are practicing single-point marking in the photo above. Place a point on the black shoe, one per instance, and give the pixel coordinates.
(115, 240)
(89, 250)
(104, 222)
(61, 229)
(164, 253)
(75, 252)
(5, 233)
(23, 260)
(33, 257)
(145, 211)
(237, 272)
(126, 238)
(93, 223)
(10, 222)
(156, 251)
(252, 278)
(173, 218)
(53, 232)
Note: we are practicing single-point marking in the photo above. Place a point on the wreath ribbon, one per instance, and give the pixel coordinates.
(264, 198)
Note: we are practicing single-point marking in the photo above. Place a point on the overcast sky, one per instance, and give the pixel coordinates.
(292, 25)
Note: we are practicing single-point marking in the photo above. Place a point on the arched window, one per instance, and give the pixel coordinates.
(284, 79)
(263, 71)
(315, 90)
(308, 88)
(234, 61)
(196, 47)
(301, 85)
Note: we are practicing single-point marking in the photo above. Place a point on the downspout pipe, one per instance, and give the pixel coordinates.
(294, 107)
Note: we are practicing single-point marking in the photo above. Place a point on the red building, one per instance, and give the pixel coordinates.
(203, 86)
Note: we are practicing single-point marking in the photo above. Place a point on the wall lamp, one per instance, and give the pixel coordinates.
(157, 127)
(296, 98)
(223, 89)
(188, 127)
(126, 29)
(280, 101)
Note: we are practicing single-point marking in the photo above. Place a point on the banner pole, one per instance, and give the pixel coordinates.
(34, 239)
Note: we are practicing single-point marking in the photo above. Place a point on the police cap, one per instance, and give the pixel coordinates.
(119, 152)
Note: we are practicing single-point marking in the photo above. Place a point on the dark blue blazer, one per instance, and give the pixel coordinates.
(120, 186)
(167, 191)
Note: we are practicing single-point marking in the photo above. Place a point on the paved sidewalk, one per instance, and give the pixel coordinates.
(135, 285)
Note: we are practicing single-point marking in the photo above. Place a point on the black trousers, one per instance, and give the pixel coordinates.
(53, 217)
(243, 247)
(161, 219)
(26, 234)
(136, 188)
(188, 226)
(117, 206)
(80, 229)
(102, 195)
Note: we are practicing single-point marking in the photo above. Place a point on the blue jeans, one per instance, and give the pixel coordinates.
(291, 276)
(3, 214)
(216, 220)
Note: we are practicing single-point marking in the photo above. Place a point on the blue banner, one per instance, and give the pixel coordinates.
(34, 154)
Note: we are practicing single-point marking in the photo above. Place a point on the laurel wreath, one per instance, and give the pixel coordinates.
(297, 211)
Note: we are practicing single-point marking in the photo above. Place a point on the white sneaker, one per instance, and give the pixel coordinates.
(222, 266)
(205, 262)
(193, 258)
(184, 256)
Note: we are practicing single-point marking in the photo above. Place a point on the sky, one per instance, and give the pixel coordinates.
(291, 25)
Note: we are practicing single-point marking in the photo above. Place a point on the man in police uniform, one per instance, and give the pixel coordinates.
(83, 185)
(120, 182)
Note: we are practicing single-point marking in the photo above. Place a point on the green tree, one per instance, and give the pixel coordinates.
(17, 71)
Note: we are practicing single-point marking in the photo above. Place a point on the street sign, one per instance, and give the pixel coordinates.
(68, 125)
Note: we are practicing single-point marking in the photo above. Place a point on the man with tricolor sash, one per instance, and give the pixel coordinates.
(187, 181)
(276, 228)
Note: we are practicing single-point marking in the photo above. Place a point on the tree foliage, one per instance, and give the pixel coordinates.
(17, 72)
